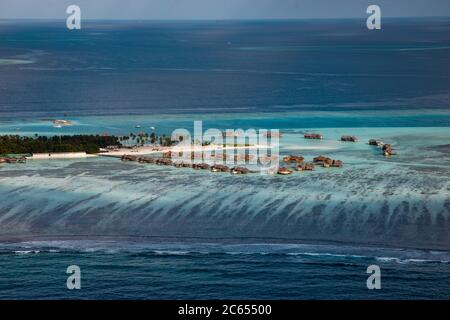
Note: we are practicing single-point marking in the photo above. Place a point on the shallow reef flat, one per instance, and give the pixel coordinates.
(402, 201)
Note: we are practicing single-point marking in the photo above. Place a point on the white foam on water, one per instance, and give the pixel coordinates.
(22, 252)
(405, 261)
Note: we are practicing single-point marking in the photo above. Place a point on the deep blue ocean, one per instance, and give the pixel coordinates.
(211, 271)
(155, 233)
(115, 67)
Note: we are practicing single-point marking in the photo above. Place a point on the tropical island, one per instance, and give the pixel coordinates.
(15, 144)
(91, 144)
(16, 149)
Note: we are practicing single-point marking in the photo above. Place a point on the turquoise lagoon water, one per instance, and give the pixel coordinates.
(401, 200)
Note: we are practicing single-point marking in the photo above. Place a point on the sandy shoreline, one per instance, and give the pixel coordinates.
(146, 150)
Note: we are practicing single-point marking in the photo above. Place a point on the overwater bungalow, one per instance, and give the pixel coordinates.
(375, 142)
(186, 165)
(312, 136)
(163, 162)
(284, 171)
(349, 139)
(146, 160)
(388, 150)
(239, 170)
(195, 166)
(128, 157)
(200, 166)
(322, 159)
(328, 162)
(204, 166)
(306, 167)
(337, 164)
(293, 159)
(219, 168)
(180, 164)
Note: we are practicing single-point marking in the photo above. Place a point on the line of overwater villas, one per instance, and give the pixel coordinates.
(298, 161)
(387, 149)
(13, 160)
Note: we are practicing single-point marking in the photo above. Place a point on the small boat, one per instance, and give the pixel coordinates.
(152, 128)
(62, 122)
(137, 126)
(57, 126)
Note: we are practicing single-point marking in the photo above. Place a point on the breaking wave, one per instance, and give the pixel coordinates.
(299, 252)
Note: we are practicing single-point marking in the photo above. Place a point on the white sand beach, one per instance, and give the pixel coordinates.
(146, 150)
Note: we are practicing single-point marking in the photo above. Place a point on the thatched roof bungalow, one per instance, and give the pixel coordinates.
(239, 170)
(219, 168)
(322, 159)
(312, 136)
(388, 150)
(163, 161)
(337, 164)
(293, 159)
(349, 139)
(200, 166)
(328, 162)
(128, 157)
(146, 160)
(306, 167)
(375, 142)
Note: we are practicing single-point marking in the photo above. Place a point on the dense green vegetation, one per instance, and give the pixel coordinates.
(13, 144)
(142, 139)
